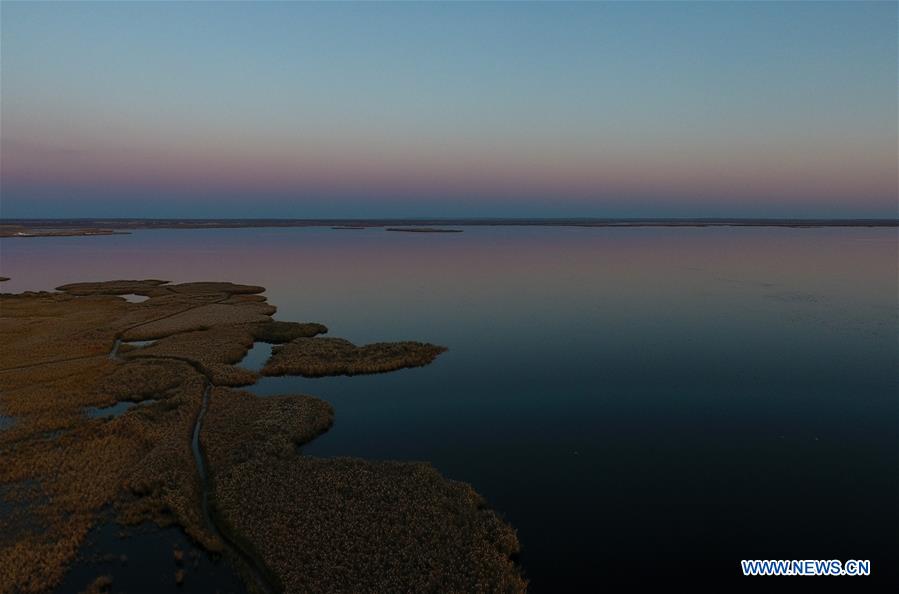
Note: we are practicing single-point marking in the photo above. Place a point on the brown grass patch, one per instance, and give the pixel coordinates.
(216, 287)
(202, 318)
(215, 351)
(361, 526)
(347, 525)
(315, 357)
(148, 287)
(64, 468)
(280, 332)
(239, 425)
(41, 327)
(139, 462)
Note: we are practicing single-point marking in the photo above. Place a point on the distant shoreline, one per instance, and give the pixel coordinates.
(86, 226)
(38, 231)
(423, 230)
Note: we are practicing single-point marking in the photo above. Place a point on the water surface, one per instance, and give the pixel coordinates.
(634, 401)
(114, 410)
(142, 560)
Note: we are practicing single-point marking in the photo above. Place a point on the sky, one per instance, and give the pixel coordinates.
(646, 109)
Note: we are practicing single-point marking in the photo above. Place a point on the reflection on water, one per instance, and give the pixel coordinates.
(143, 559)
(257, 356)
(634, 401)
(114, 410)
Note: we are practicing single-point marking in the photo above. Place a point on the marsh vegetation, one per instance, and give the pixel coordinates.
(317, 357)
(364, 524)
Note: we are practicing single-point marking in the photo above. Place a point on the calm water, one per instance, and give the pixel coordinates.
(114, 410)
(141, 560)
(634, 401)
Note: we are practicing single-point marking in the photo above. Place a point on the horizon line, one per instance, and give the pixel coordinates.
(158, 222)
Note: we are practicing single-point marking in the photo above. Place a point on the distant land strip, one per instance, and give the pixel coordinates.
(423, 230)
(106, 226)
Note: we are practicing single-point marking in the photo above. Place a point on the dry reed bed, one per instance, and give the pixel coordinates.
(140, 462)
(40, 327)
(367, 526)
(277, 332)
(202, 318)
(363, 526)
(63, 468)
(149, 287)
(240, 426)
(358, 525)
(315, 357)
(214, 351)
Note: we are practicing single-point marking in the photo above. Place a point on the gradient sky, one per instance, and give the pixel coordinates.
(466, 109)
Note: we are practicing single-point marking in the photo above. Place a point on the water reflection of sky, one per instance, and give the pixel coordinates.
(113, 410)
(678, 394)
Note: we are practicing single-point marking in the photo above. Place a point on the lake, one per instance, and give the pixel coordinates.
(639, 403)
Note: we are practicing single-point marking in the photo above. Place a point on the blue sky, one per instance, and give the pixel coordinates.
(462, 109)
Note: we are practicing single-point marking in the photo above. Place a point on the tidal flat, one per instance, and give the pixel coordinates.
(222, 465)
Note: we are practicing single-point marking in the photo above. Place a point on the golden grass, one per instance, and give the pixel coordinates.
(239, 425)
(315, 357)
(279, 332)
(214, 351)
(139, 380)
(362, 526)
(347, 525)
(216, 287)
(139, 462)
(244, 298)
(148, 287)
(62, 467)
(202, 318)
(121, 287)
(42, 327)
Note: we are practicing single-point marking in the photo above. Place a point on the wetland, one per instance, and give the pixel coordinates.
(197, 454)
(629, 401)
